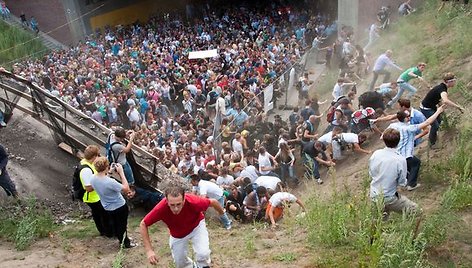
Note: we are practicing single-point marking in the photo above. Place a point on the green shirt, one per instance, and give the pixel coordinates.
(406, 77)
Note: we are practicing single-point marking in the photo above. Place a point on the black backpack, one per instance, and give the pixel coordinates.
(78, 189)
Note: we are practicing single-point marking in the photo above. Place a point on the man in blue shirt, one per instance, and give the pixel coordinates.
(408, 135)
(380, 67)
(388, 170)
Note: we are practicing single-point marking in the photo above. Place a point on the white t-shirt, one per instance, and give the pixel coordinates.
(250, 172)
(350, 137)
(269, 182)
(264, 161)
(226, 180)
(337, 91)
(210, 189)
(326, 138)
(86, 174)
(237, 147)
(133, 115)
(277, 198)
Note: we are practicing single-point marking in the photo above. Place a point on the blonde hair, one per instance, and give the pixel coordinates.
(101, 163)
(91, 151)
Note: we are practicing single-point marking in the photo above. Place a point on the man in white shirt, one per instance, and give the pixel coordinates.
(265, 164)
(270, 183)
(276, 205)
(209, 189)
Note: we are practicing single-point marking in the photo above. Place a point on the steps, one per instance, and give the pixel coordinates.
(47, 40)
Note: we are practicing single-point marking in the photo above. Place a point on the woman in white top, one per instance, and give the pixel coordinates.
(286, 159)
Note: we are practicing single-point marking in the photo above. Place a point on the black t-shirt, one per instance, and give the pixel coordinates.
(310, 149)
(434, 96)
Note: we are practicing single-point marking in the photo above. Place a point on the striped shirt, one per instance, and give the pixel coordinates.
(408, 132)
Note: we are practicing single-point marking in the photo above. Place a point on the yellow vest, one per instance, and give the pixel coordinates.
(89, 197)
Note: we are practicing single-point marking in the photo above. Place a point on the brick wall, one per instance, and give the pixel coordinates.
(50, 14)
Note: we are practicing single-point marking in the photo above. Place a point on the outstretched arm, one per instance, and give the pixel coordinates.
(143, 229)
(446, 100)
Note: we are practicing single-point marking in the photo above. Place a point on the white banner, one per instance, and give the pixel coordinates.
(203, 54)
(268, 94)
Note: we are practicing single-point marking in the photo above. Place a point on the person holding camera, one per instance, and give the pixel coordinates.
(120, 149)
(109, 191)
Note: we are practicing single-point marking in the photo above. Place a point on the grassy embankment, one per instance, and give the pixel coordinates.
(17, 44)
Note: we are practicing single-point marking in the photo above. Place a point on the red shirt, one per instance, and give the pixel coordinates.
(182, 224)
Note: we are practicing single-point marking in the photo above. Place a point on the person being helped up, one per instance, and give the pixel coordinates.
(277, 203)
(183, 215)
(404, 82)
(119, 149)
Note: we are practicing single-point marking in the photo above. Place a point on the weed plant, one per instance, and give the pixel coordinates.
(24, 221)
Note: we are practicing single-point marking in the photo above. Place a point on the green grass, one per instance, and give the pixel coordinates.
(25, 221)
(17, 44)
(79, 230)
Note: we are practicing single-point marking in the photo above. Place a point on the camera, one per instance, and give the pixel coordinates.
(112, 168)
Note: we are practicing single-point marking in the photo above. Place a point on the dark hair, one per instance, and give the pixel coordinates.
(391, 137)
(402, 115)
(404, 103)
(261, 190)
(120, 132)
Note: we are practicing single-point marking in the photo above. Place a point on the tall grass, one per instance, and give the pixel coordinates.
(25, 221)
(15, 44)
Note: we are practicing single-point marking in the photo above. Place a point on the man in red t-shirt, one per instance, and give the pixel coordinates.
(183, 215)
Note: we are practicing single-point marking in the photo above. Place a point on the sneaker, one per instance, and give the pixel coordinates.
(411, 188)
(131, 245)
(229, 225)
(3, 124)
(319, 181)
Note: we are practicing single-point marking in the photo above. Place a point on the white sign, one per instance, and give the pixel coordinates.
(268, 94)
(203, 54)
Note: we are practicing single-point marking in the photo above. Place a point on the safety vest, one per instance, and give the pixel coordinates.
(89, 197)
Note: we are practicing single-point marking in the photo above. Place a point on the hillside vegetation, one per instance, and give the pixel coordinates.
(17, 44)
(342, 228)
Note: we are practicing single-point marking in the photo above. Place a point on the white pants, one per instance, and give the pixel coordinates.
(200, 244)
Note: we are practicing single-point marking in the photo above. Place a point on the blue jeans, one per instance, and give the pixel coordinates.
(286, 169)
(433, 132)
(402, 86)
(128, 173)
(312, 164)
(413, 166)
(224, 218)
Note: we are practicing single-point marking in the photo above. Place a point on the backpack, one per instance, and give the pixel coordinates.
(213, 97)
(330, 113)
(109, 152)
(78, 189)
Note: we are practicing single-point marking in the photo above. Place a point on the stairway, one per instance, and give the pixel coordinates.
(47, 40)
